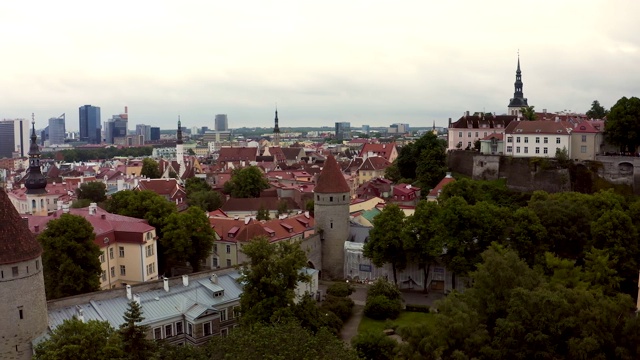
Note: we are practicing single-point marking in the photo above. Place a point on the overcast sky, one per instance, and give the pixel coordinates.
(366, 62)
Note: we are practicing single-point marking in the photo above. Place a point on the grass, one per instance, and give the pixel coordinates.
(406, 318)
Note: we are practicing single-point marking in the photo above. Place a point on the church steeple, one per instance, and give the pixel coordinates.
(276, 131)
(35, 182)
(518, 101)
(179, 131)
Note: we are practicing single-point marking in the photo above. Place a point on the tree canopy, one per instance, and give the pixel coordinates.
(95, 191)
(188, 236)
(622, 127)
(246, 182)
(386, 240)
(200, 194)
(134, 336)
(75, 339)
(70, 257)
(150, 169)
(270, 279)
(528, 113)
(424, 161)
(597, 111)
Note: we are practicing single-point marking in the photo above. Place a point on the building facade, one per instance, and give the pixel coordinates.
(90, 124)
(154, 133)
(221, 123)
(14, 138)
(343, 130)
(540, 138)
(57, 130)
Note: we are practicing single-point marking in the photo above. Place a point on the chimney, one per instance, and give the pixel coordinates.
(136, 298)
(93, 207)
(59, 205)
(466, 113)
(25, 221)
(37, 228)
(247, 218)
(185, 280)
(79, 313)
(129, 294)
(448, 176)
(213, 278)
(166, 284)
(449, 122)
(103, 216)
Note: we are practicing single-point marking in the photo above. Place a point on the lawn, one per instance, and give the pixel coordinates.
(406, 318)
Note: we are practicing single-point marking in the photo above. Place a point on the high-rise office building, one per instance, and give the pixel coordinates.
(144, 130)
(57, 130)
(155, 133)
(90, 125)
(117, 127)
(221, 122)
(343, 130)
(14, 138)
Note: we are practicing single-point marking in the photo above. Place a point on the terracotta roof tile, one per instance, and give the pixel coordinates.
(331, 179)
(17, 243)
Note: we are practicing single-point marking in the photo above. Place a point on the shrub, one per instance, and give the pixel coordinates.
(380, 307)
(341, 289)
(341, 306)
(373, 345)
(384, 288)
(417, 308)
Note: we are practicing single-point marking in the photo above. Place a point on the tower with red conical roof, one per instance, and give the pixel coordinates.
(331, 212)
(23, 304)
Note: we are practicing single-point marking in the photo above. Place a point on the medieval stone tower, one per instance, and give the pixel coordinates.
(331, 208)
(23, 305)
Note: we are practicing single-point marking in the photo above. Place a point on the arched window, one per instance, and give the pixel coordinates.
(33, 204)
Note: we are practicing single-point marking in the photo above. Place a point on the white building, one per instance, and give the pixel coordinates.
(541, 138)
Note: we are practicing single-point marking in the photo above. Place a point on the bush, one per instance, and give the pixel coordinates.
(374, 345)
(341, 289)
(418, 308)
(384, 288)
(341, 306)
(380, 307)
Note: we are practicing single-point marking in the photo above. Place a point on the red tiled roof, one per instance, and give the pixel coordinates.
(494, 136)
(375, 163)
(383, 150)
(589, 127)
(237, 154)
(480, 120)
(331, 179)
(436, 190)
(17, 243)
(539, 127)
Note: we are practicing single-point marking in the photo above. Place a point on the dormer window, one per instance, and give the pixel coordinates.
(218, 293)
(232, 233)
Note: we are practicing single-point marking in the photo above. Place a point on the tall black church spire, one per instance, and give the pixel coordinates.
(179, 132)
(276, 131)
(518, 101)
(34, 181)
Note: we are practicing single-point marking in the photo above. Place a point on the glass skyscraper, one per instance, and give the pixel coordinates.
(90, 124)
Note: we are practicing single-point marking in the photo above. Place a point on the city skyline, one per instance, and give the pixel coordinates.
(361, 62)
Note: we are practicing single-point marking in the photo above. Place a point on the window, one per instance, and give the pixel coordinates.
(111, 253)
(149, 250)
(557, 140)
(224, 332)
(537, 140)
(509, 149)
(151, 268)
(228, 262)
(104, 275)
(179, 328)
(149, 235)
(206, 327)
(123, 270)
(330, 198)
(223, 315)
(469, 134)
(344, 197)
(236, 312)
(546, 150)
(485, 134)
(476, 134)
(215, 262)
(318, 197)
(121, 250)
(21, 314)
(168, 330)
(546, 140)
(37, 264)
(113, 271)
(157, 333)
(518, 150)
(228, 249)
(583, 149)
(537, 150)
(189, 329)
(14, 271)
(526, 149)
(518, 139)
(510, 139)
(102, 256)
(584, 138)
(526, 140)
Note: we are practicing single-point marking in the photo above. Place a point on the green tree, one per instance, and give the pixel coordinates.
(142, 205)
(134, 336)
(263, 214)
(95, 191)
(528, 113)
(190, 151)
(528, 236)
(166, 351)
(75, 339)
(270, 280)
(70, 257)
(283, 207)
(279, 341)
(374, 346)
(150, 169)
(386, 240)
(424, 161)
(195, 184)
(208, 200)
(597, 111)
(392, 172)
(421, 243)
(80, 203)
(188, 236)
(622, 127)
(247, 182)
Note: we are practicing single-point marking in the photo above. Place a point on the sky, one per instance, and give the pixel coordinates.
(320, 62)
